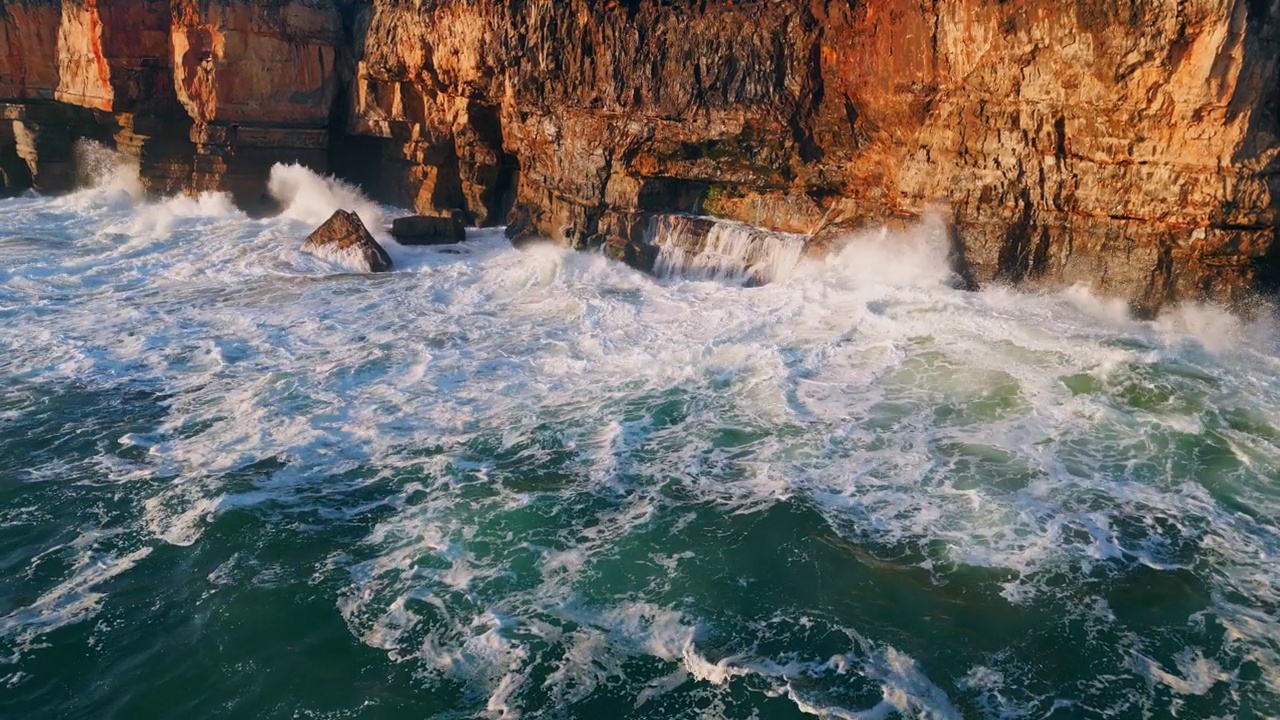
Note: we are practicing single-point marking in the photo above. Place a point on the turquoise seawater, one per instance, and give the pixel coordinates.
(237, 481)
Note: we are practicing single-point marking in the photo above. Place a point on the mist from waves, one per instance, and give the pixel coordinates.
(539, 479)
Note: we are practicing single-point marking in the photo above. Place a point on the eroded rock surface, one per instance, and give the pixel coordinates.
(343, 239)
(429, 230)
(1131, 146)
(207, 94)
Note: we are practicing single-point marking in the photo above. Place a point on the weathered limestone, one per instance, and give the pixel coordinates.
(429, 230)
(1128, 146)
(343, 239)
(208, 94)
(29, 49)
(1131, 146)
(259, 82)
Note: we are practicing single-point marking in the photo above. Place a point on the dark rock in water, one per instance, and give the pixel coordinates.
(344, 239)
(425, 230)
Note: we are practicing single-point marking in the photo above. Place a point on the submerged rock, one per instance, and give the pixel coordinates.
(344, 239)
(425, 230)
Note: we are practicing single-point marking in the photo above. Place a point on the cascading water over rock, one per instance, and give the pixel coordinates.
(698, 248)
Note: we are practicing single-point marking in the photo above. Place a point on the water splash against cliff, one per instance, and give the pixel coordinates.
(308, 197)
(105, 170)
(698, 248)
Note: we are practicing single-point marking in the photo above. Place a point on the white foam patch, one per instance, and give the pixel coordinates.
(313, 199)
(1195, 674)
(105, 171)
(74, 599)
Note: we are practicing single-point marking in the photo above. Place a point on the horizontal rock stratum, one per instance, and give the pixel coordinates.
(1129, 145)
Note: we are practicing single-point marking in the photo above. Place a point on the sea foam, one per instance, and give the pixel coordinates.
(556, 464)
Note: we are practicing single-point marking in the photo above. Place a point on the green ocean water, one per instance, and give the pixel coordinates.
(237, 482)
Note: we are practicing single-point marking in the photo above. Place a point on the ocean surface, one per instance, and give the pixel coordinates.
(237, 481)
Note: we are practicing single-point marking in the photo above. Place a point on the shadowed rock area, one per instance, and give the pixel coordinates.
(433, 230)
(1130, 146)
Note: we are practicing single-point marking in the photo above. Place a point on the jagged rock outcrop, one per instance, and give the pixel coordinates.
(1129, 145)
(343, 239)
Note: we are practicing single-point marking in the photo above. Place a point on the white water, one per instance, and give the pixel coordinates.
(975, 431)
(729, 252)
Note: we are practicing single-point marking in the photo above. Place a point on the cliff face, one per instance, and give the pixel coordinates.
(208, 94)
(1128, 145)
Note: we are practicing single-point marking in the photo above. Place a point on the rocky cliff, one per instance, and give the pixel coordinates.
(1130, 145)
(208, 94)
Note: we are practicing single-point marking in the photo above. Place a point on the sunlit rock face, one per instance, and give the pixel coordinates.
(344, 240)
(1128, 146)
(208, 94)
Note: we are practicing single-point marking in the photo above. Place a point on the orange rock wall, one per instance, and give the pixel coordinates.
(1131, 146)
(208, 93)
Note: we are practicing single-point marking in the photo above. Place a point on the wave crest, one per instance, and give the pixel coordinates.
(310, 197)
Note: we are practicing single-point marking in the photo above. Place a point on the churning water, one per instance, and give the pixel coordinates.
(236, 481)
